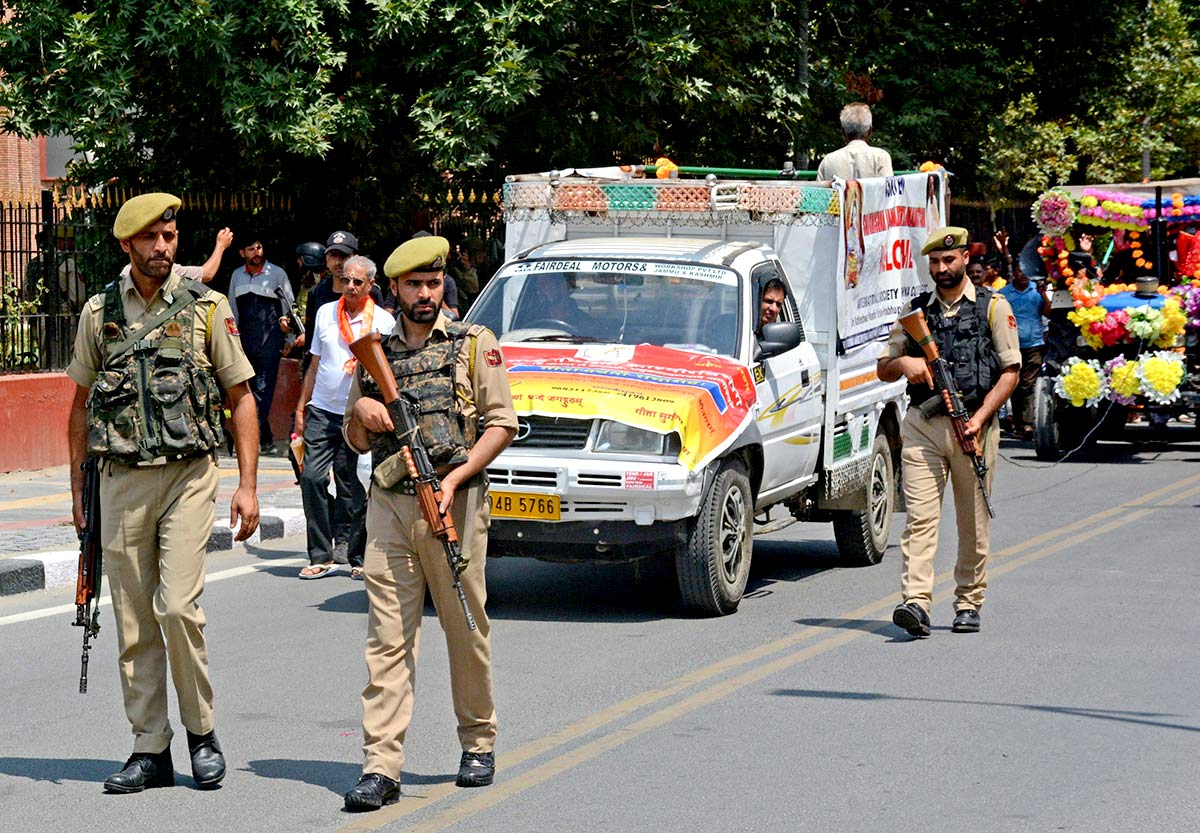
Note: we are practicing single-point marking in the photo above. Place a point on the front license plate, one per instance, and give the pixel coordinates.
(525, 507)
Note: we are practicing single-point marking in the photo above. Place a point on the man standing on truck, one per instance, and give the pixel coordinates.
(857, 159)
(976, 332)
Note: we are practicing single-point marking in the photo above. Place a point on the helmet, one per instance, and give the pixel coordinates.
(312, 255)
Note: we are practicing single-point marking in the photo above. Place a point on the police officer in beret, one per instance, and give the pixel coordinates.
(457, 373)
(976, 333)
(149, 354)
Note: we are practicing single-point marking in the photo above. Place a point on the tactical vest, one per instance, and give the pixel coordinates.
(152, 399)
(428, 375)
(965, 342)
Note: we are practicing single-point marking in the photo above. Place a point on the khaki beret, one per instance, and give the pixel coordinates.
(139, 212)
(421, 254)
(947, 237)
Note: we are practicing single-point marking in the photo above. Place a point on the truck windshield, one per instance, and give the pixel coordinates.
(685, 306)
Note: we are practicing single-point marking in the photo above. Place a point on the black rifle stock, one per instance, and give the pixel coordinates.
(369, 352)
(295, 325)
(943, 381)
(87, 584)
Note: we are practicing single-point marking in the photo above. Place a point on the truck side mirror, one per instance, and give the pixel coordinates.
(777, 338)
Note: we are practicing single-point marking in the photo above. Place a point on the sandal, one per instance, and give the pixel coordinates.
(313, 571)
(356, 573)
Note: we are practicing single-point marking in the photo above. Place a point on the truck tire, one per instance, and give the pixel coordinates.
(714, 563)
(1047, 441)
(862, 534)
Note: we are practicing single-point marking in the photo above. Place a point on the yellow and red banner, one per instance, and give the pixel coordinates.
(705, 399)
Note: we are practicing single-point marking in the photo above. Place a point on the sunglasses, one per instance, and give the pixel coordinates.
(354, 281)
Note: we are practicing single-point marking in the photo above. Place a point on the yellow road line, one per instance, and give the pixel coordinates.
(1034, 549)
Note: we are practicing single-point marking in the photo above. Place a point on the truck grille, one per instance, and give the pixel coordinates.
(551, 432)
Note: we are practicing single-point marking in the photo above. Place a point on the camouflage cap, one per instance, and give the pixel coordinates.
(142, 211)
(947, 237)
(421, 254)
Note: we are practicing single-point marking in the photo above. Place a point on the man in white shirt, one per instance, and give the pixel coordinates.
(857, 160)
(258, 293)
(319, 420)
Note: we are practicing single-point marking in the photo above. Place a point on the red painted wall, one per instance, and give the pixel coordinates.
(34, 409)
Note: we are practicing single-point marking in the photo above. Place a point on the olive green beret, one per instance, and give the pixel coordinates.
(421, 254)
(139, 212)
(947, 237)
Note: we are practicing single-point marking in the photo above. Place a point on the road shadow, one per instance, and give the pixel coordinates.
(525, 589)
(1139, 718)
(778, 561)
(60, 770)
(335, 776)
(883, 627)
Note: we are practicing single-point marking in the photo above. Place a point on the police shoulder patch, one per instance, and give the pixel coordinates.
(231, 326)
(493, 358)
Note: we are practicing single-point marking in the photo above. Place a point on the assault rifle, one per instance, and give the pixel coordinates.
(943, 380)
(405, 413)
(294, 324)
(87, 585)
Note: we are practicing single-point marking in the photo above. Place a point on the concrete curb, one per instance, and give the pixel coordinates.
(26, 572)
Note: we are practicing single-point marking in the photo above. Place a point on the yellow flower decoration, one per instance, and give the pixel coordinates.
(1083, 318)
(1081, 382)
(1173, 325)
(1160, 374)
(1124, 381)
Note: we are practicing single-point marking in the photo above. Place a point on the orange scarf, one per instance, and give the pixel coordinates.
(348, 334)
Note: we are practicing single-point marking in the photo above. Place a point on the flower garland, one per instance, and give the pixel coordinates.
(1054, 212)
(1189, 298)
(1123, 382)
(1082, 382)
(1160, 374)
(1160, 327)
(1111, 210)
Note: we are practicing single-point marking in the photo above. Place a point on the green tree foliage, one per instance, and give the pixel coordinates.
(357, 107)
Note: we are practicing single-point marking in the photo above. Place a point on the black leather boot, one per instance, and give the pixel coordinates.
(476, 769)
(208, 764)
(372, 792)
(142, 771)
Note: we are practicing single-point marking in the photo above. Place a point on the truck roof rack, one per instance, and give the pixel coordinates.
(711, 201)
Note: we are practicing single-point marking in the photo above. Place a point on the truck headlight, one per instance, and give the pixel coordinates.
(619, 438)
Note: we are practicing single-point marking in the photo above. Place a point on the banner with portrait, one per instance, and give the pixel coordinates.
(884, 223)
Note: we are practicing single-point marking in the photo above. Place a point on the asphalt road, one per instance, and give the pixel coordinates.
(1076, 708)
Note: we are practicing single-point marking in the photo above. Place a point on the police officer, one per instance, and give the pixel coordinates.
(149, 352)
(977, 334)
(467, 418)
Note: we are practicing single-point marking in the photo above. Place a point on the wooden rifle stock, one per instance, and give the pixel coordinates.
(369, 352)
(917, 328)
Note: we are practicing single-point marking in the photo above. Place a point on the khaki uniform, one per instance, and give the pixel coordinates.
(929, 454)
(155, 524)
(402, 558)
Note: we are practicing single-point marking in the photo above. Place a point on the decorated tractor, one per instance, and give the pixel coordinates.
(1123, 337)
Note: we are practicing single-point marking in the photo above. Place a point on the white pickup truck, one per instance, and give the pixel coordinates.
(657, 419)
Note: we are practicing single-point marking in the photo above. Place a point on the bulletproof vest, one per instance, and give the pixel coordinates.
(427, 375)
(153, 399)
(965, 342)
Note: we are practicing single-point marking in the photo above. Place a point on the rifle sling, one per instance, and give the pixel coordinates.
(186, 296)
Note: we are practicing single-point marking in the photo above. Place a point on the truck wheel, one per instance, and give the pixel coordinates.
(862, 534)
(714, 563)
(1047, 443)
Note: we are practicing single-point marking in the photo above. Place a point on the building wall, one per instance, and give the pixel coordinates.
(20, 166)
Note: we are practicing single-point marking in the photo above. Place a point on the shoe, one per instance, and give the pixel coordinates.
(372, 792)
(341, 553)
(966, 621)
(313, 571)
(476, 769)
(208, 764)
(142, 771)
(357, 573)
(913, 618)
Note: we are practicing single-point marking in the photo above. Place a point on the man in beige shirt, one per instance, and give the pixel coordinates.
(976, 333)
(857, 160)
(148, 354)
